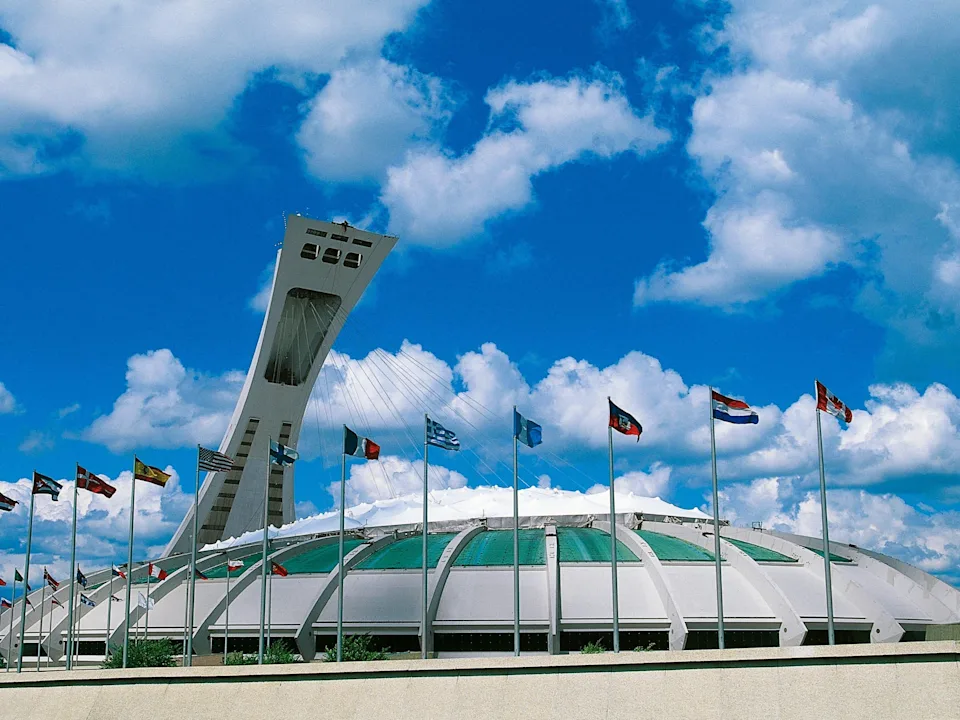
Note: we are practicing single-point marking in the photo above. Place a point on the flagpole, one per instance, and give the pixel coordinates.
(269, 606)
(146, 621)
(126, 619)
(43, 599)
(226, 627)
(426, 465)
(516, 548)
(716, 525)
(26, 578)
(106, 640)
(13, 600)
(263, 564)
(193, 557)
(73, 571)
(343, 495)
(827, 572)
(613, 548)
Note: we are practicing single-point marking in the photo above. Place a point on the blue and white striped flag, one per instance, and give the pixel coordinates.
(440, 437)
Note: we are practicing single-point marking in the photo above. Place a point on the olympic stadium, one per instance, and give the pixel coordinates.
(773, 583)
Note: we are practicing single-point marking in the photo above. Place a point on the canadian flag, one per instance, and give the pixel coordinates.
(157, 572)
(234, 565)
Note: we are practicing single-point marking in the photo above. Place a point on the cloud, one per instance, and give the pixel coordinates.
(35, 441)
(535, 127)
(68, 410)
(616, 15)
(167, 405)
(654, 483)
(7, 402)
(102, 524)
(823, 150)
(261, 300)
(884, 522)
(74, 87)
(393, 477)
(367, 116)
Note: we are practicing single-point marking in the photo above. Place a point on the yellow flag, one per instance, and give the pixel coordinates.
(149, 473)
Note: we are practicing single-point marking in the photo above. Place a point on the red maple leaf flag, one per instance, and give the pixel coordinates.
(829, 403)
(278, 569)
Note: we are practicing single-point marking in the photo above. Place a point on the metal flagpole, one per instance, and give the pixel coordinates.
(146, 621)
(226, 627)
(26, 581)
(43, 599)
(263, 564)
(516, 548)
(827, 573)
(126, 619)
(73, 572)
(426, 465)
(716, 525)
(613, 549)
(106, 640)
(193, 557)
(269, 604)
(343, 495)
(13, 600)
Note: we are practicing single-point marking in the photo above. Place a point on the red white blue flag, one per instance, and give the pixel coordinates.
(733, 411)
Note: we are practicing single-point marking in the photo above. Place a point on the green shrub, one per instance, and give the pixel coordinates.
(592, 648)
(356, 647)
(649, 647)
(279, 653)
(238, 658)
(142, 653)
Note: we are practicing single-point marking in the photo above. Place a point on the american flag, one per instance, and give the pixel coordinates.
(213, 461)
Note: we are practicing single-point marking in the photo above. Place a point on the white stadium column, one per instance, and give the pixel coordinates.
(321, 272)
(438, 577)
(678, 626)
(792, 628)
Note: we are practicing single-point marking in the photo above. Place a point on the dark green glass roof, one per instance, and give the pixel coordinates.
(407, 553)
(589, 545)
(220, 571)
(833, 557)
(321, 559)
(668, 548)
(494, 548)
(758, 553)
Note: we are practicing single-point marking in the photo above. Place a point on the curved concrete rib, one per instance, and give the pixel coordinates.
(678, 626)
(933, 595)
(304, 638)
(438, 579)
(552, 557)
(56, 640)
(885, 627)
(201, 630)
(792, 628)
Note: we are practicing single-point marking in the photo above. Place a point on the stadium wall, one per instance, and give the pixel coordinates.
(891, 681)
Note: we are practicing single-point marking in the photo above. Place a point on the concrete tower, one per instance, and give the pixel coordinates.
(322, 270)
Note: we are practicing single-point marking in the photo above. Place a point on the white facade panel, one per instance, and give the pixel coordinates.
(897, 604)
(695, 589)
(477, 596)
(378, 598)
(586, 596)
(806, 593)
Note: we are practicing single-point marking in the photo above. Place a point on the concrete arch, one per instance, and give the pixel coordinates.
(885, 627)
(678, 626)
(792, 628)
(304, 637)
(439, 578)
(201, 630)
(928, 592)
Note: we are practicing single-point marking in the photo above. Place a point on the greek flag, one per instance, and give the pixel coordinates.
(440, 437)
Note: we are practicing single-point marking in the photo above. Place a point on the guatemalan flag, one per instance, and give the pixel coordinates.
(733, 411)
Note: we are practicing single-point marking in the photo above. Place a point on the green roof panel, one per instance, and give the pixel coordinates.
(321, 559)
(494, 548)
(589, 545)
(407, 553)
(220, 571)
(760, 554)
(668, 548)
(833, 558)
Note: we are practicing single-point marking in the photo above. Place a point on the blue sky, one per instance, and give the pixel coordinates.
(592, 198)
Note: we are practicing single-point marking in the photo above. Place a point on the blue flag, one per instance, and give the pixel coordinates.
(281, 454)
(526, 431)
(439, 436)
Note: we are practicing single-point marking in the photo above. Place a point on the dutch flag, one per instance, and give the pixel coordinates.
(733, 411)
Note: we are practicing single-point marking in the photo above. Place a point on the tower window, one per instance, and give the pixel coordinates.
(341, 238)
(318, 233)
(331, 255)
(310, 251)
(353, 260)
(362, 243)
